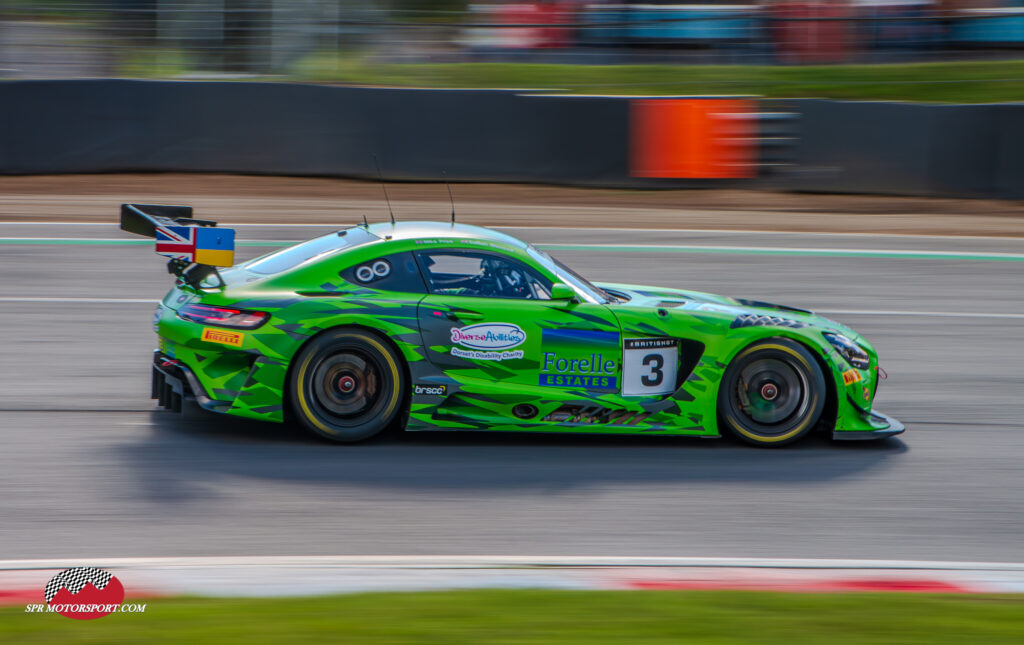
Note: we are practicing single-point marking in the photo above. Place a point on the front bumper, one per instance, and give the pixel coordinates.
(892, 427)
(174, 386)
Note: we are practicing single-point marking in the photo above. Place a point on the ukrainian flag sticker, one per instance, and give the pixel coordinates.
(215, 246)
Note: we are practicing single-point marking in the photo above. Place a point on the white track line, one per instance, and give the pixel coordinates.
(830, 312)
(150, 301)
(839, 251)
(929, 314)
(498, 561)
(654, 248)
(1008, 239)
(44, 238)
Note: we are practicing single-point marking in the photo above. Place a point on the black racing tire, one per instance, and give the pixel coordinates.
(772, 393)
(347, 385)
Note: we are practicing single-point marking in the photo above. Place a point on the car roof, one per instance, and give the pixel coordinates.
(441, 230)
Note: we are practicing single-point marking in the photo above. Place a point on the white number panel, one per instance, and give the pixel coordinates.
(649, 366)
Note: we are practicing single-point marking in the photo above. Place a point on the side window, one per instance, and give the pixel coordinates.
(467, 273)
(395, 272)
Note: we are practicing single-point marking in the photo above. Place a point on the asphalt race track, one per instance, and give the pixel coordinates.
(89, 469)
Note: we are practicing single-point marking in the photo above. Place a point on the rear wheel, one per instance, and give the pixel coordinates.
(772, 393)
(347, 385)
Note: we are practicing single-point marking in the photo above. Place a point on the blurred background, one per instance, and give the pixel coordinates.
(336, 39)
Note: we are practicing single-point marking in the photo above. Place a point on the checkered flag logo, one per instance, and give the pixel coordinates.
(74, 580)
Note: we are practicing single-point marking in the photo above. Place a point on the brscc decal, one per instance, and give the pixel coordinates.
(222, 336)
(488, 341)
(430, 390)
(850, 377)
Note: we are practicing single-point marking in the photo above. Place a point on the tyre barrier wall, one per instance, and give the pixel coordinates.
(908, 149)
(90, 126)
(82, 126)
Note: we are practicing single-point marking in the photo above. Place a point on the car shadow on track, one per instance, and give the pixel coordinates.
(180, 455)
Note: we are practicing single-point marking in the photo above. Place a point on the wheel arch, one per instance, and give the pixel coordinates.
(286, 398)
(830, 411)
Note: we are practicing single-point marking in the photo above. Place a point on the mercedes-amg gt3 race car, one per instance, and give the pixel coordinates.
(429, 325)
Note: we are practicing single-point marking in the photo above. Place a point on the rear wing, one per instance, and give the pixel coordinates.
(143, 219)
(196, 246)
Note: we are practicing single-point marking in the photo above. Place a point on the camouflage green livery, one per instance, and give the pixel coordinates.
(645, 360)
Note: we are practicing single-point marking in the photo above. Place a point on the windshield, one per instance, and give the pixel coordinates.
(293, 256)
(589, 292)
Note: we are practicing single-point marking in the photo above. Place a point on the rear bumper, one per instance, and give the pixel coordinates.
(892, 427)
(174, 385)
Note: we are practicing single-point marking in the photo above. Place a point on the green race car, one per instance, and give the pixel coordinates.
(428, 325)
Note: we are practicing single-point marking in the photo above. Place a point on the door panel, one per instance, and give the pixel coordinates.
(507, 352)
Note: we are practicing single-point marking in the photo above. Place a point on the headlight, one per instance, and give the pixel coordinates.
(850, 350)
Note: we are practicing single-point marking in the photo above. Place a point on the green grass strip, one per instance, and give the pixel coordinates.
(524, 617)
(951, 82)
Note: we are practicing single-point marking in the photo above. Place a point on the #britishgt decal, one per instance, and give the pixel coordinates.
(84, 593)
(488, 341)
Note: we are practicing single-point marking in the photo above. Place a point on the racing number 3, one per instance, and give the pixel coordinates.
(649, 366)
(656, 362)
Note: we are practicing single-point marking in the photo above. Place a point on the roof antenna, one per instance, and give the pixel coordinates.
(450, 198)
(382, 185)
(365, 223)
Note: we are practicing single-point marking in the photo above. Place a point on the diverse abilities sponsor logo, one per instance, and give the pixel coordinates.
(488, 341)
(430, 390)
(489, 336)
(850, 377)
(84, 593)
(222, 336)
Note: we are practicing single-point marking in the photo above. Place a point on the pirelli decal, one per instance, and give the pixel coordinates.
(851, 376)
(223, 336)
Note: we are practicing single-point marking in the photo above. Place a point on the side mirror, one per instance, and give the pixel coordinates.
(562, 291)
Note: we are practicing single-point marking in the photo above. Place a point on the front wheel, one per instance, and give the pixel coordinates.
(347, 385)
(772, 393)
